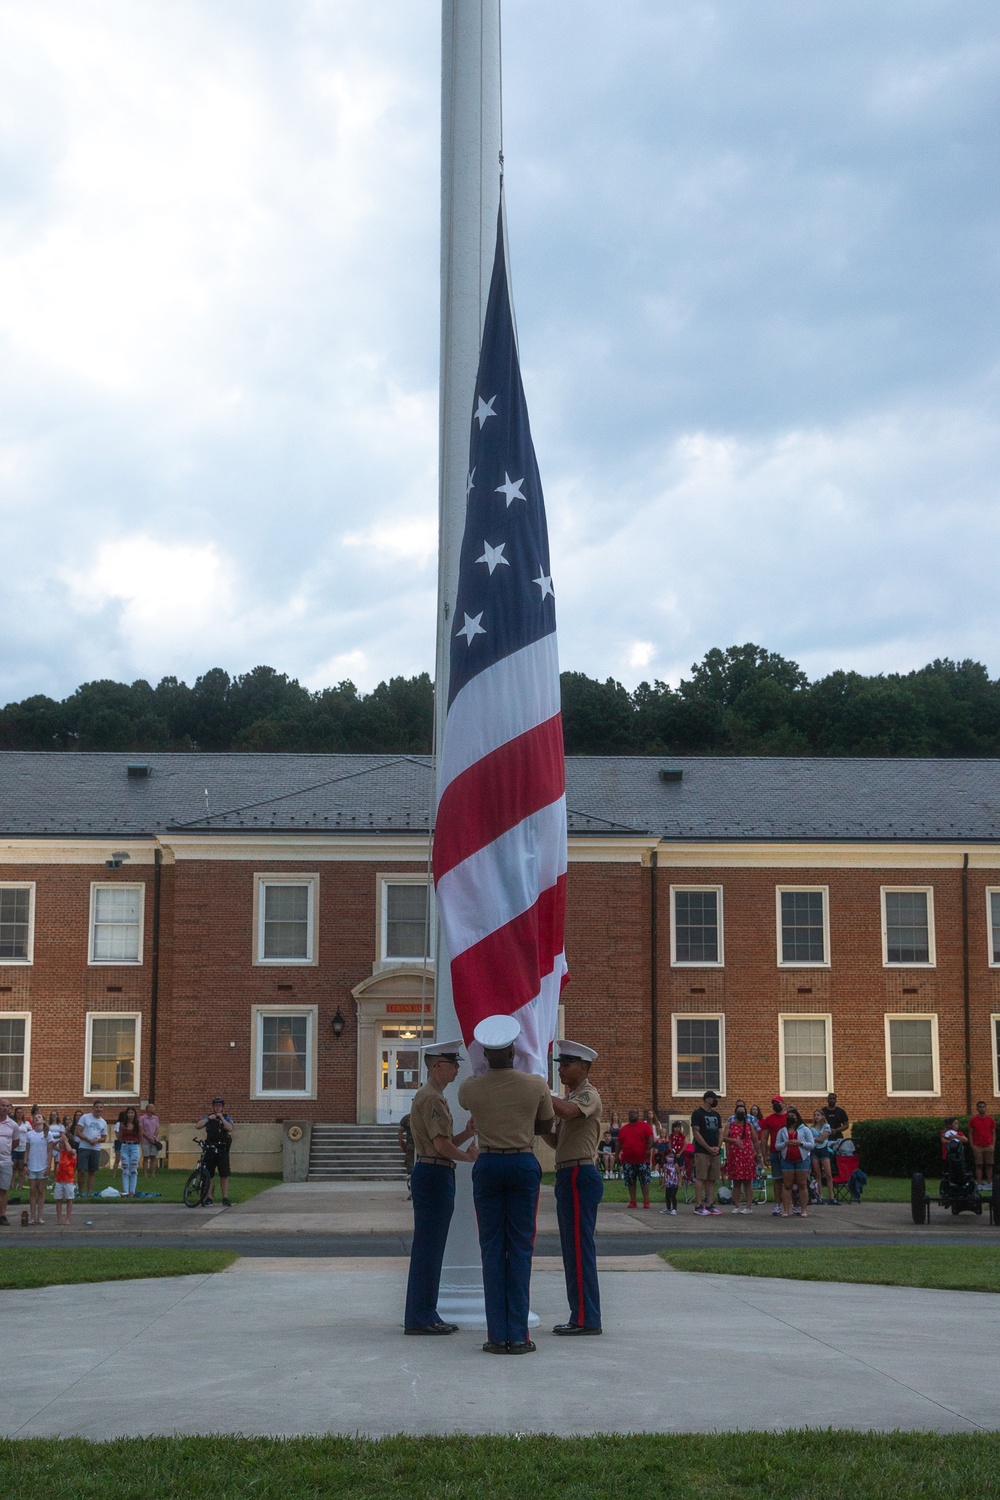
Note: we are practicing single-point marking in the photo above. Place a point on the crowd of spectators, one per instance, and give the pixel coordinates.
(64, 1152)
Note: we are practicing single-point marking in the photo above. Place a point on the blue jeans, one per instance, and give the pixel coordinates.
(432, 1189)
(505, 1192)
(130, 1166)
(579, 1191)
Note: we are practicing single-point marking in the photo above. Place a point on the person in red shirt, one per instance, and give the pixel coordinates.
(983, 1133)
(770, 1125)
(635, 1145)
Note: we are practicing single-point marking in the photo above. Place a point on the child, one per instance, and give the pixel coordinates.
(36, 1139)
(607, 1151)
(55, 1132)
(65, 1187)
(669, 1178)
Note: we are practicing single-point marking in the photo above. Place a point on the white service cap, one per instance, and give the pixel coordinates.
(497, 1031)
(442, 1049)
(572, 1051)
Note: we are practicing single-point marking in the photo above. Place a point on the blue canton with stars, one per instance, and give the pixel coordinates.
(505, 599)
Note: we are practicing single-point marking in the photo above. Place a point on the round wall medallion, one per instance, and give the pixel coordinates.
(295, 1132)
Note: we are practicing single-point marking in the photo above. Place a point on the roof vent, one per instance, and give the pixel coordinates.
(138, 770)
(668, 773)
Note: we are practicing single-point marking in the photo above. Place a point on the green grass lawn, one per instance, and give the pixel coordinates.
(63, 1267)
(951, 1267)
(878, 1190)
(170, 1186)
(737, 1466)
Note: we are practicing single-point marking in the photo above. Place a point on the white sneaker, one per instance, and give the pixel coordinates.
(674, 1212)
(736, 1210)
(744, 1210)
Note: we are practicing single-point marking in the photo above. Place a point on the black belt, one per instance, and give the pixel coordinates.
(505, 1151)
(437, 1161)
(575, 1161)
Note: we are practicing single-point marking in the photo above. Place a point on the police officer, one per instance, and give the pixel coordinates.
(432, 1186)
(579, 1187)
(509, 1108)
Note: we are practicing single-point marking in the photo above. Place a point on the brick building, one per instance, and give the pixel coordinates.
(180, 925)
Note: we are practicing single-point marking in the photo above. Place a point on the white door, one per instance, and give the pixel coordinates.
(399, 1079)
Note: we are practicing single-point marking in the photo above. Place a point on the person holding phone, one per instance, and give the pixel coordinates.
(218, 1128)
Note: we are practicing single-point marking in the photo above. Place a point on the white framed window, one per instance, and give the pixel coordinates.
(803, 914)
(116, 918)
(805, 1055)
(405, 914)
(15, 1053)
(17, 922)
(995, 1039)
(283, 1047)
(912, 1063)
(993, 925)
(699, 1053)
(285, 919)
(696, 926)
(111, 1068)
(908, 927)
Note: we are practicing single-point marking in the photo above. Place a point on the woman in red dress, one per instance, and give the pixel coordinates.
(741, 1157)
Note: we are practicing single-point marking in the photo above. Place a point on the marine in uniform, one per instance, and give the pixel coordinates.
(509, 1108)
(579, 1185)
(432, 1186)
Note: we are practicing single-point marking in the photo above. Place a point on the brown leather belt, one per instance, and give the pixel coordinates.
(505, 1151)
(436, 1161)
(575, 1161)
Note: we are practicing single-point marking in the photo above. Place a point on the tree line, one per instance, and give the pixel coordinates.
(743, 700)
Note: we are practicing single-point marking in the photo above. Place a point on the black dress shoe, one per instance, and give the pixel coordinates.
(526, 1348)
(572, 1330)
(434, 1328)
(490, 1348)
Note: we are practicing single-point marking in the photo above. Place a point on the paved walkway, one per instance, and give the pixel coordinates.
(320, 1350)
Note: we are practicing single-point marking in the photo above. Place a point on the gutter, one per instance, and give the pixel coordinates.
(154, 987)
(654, 988)
(965, 984)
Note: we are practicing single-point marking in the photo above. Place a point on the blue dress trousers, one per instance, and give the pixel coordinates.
(432, 1188)
(579, 1190)
(505, 1192)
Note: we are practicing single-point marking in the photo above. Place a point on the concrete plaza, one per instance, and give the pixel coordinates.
(311, 1347)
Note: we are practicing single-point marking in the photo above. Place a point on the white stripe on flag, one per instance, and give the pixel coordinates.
(514, 695)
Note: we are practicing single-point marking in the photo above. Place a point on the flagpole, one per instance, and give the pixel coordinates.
(470, 195)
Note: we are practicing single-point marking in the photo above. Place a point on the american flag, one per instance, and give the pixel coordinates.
(500, 835)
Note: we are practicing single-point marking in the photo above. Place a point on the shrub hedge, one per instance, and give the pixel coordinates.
(897, 1148)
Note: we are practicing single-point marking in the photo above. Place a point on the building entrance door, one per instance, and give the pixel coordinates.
(399, 1079)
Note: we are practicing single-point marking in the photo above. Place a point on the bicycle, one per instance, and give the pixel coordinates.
(198, 1187)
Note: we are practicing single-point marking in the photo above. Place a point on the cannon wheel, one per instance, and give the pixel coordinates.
(918, 1198)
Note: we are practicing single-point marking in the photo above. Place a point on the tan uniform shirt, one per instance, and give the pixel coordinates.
(581, 1135)
(429, 1116)
(505, 1105)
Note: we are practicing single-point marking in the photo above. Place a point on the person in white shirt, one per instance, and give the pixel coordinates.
(10, 1138)
(55, 1134)
(39, 1153)
(91, 1130)
(794, 1144)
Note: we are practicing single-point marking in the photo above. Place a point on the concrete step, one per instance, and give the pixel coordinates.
(358, 1152)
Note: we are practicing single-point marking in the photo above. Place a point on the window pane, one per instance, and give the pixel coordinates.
(911, 1053)
(907, 938)
(995, 924)
(15, 911)
(405, 921)
(12, 1053)
(696, 927)
(284, 1061)
(116, 924)
(805, 1056)
(112, 1055)
(802, 928)
(286, 921)
(699, 1061)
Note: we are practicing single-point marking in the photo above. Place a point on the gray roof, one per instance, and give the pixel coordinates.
(743, 797)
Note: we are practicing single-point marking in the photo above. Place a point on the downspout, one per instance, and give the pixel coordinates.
(654, 1013)
(154, 986)
(965, 984)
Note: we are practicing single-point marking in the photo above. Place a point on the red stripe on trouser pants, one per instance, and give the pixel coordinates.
(579, 1249)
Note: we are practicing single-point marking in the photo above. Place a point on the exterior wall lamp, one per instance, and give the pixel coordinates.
(338, 1023)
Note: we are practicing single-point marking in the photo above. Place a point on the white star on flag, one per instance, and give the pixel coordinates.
(511, 488)
(545, 584)
(470, 483)
(484, 410)
(471, 627)
(493, 557)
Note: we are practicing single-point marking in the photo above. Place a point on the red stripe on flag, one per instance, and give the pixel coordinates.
(498, 792)
(503, 971)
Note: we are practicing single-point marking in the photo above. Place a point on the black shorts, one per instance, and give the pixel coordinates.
(217, 1159)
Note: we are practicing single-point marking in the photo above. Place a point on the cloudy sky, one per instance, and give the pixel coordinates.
(754, 251)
